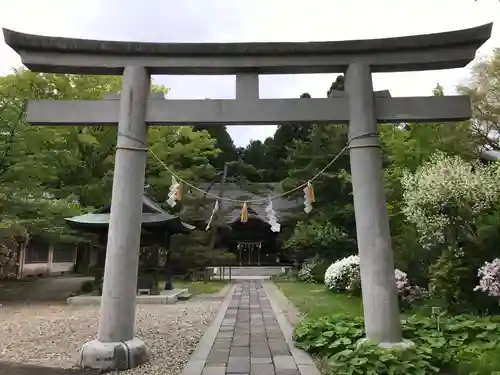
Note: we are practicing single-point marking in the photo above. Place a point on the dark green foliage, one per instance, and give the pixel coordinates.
(337, 85)
(319, 237)
(87, 286)
(318, 271)
(453, 278)
(256, 156)
(451, 344)
(329, 229)
(195, 253)
(223, 142)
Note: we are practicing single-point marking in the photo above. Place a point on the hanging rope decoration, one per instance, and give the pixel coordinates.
(174, 193)
(214, 210)
(309, 197)
(271, 217)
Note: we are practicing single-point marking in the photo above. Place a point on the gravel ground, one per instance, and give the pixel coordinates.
(50, 335)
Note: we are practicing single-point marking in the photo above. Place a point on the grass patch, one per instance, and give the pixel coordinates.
(198, 287)
(316, 301)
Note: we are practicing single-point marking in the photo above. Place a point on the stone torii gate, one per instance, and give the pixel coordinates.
(116, 347)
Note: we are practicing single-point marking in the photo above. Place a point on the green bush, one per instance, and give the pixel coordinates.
(454, 343)
(453, 278)
(87, 286)
(306, 267)
(318, 272)
(317, 238)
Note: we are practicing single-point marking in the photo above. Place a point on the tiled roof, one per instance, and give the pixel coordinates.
(152, 216)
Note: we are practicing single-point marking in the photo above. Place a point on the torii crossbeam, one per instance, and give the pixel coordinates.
(116, 346)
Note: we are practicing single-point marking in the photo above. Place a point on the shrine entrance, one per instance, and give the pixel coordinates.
(254, 243)
(249, 253)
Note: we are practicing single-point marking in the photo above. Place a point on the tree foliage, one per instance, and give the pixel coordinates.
(49, 173)
(484, 90)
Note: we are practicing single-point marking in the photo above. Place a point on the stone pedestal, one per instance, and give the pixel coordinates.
(108, 356)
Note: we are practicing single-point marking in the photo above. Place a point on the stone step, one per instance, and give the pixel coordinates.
(251, 271)
(184, 297)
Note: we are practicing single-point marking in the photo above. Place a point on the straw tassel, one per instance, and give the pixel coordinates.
(310, 192)
(178, 193)
(244, 213)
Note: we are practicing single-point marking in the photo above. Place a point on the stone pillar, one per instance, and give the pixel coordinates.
(99, 267)
(115, 347)
(380, 302)
(169, 285)
(154, 270)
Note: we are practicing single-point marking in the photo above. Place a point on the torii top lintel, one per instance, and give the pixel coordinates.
(446, 50)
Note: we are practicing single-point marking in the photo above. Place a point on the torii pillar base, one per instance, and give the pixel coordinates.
(108, 356)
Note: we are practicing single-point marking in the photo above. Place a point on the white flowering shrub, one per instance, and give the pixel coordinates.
(344, 276)
(304, 273)
(454, 206)
(489, 278)
(448, 192)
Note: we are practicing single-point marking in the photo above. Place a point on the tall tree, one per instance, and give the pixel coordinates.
(337, 85)
(185, 151)
(484, 90)
(28, 170)
(283, 139)
(224, 143)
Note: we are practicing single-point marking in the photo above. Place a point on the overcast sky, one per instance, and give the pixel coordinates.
(255, 20)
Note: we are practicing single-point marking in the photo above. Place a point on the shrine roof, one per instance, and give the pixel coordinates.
(153, 217)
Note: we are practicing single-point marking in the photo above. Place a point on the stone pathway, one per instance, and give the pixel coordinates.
(247, 338)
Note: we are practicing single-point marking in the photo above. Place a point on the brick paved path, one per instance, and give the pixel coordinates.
(250, 340)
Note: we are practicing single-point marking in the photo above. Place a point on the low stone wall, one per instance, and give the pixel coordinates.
(165, 298)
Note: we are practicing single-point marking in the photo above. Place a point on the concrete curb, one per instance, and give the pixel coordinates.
(284, 315)
(218, 296)
(165, 298)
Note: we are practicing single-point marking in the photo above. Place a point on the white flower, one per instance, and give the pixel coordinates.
(344, 276)
(489, 281)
